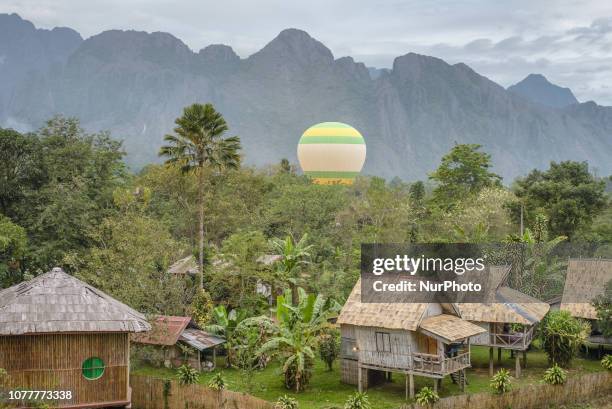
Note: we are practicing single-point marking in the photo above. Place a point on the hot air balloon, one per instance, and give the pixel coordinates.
(331, 153)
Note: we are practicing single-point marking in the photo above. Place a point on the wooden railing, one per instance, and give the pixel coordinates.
(416, 362)
(512, 340)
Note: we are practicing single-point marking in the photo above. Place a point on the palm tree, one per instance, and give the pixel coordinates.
(199, 142)
(293, 255)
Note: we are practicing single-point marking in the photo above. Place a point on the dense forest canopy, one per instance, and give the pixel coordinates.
(67, 198)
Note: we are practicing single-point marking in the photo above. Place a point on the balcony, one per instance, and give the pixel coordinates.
(417, 363)
(511, 340)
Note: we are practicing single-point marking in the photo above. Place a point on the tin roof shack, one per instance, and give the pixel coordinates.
(424, 339)
(586, 279)
(58, 333)
(187, 266)
(509, 318)
(182, 341)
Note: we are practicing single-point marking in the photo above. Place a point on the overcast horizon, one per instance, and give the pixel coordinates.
(569, 42)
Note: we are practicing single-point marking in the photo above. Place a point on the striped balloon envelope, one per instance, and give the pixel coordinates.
(332, 153)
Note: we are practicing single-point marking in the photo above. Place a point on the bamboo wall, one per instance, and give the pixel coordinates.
(537, 396)
(148, 393)
(54, 362)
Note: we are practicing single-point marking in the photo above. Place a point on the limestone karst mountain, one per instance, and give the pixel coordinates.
(135, 84)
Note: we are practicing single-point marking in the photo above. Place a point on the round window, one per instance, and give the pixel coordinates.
(93, 368)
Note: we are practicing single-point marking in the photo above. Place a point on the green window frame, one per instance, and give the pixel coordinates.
(93, 368)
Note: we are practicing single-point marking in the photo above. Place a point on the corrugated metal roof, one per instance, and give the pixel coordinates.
(199, 339)
(166, 330)
(58, 302)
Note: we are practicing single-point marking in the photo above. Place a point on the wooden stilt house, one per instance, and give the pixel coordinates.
(586, 279)
(58, 333)
(423, 339)
(509, 320)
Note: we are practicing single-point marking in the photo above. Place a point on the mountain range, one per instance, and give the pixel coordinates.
(135, 84)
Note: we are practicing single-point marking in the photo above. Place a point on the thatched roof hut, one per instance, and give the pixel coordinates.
(59, 333)
(586, 280)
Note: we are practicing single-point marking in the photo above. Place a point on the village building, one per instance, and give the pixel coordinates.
(58, 333)
(585, 280)
(181, 341)
(187, 266)
(423, 339)
(509, 318)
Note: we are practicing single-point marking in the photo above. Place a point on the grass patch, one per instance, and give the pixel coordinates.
(325, 388)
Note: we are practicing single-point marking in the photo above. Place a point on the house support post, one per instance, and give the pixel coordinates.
(359, 376)
(435, 385)
(199, 361)
(490, 361)
(214, 357)
(525, 359)
(411, 376)
(517, 367)
(499, 355)
(406, 382)
(463, 380)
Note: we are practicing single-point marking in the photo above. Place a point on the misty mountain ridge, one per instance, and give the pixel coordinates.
(135, 84)
(538, 89)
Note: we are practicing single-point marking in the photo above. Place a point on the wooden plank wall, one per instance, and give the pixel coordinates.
(54, 362)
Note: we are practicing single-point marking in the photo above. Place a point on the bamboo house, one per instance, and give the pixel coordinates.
(509, 319)
(422, 339)
(586, 279)
(58, 333)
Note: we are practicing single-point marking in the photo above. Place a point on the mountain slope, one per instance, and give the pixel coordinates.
(135, 84)
(536, 88)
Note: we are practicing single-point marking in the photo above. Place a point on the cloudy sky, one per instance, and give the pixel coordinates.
(569, 41)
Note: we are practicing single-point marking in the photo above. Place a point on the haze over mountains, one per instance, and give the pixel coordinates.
(135, 84)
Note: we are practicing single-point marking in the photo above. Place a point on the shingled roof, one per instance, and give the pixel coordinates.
(406, 316)
(586, 279)
(57, 302)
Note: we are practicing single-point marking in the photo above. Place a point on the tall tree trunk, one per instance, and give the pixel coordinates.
(201, 203)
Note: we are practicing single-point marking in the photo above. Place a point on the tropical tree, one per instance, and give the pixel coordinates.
(562, 335)
(297, 334)
(199, 142)
(293, 256)
(225, 324)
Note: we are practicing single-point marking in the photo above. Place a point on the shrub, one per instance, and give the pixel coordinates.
(217, 382)
(427, 396)
(187, 375)
(606, 362)
(202, 308)
(358, 400)
(329, 348)
(501, 381)
(562, 335)
(286, 402)
(555, 375)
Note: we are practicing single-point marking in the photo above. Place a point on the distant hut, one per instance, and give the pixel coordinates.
(187, 266)
(58, 333)
(586, 279)
(182, 342)
(423, 339)
(510, 318)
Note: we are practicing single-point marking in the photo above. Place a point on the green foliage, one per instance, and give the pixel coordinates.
(463, 171)
(13, 246)
(606, 362)
(286, 402)
(202, 308)
(296, 337)
(603, 306)
(427, 396)
(225, 324)
(562, 335)
(217, 382)
(567, 194)
(501, 381)
(187, 375)
(199, 142)
(329, 347)
(358, 400)
(555, 375)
